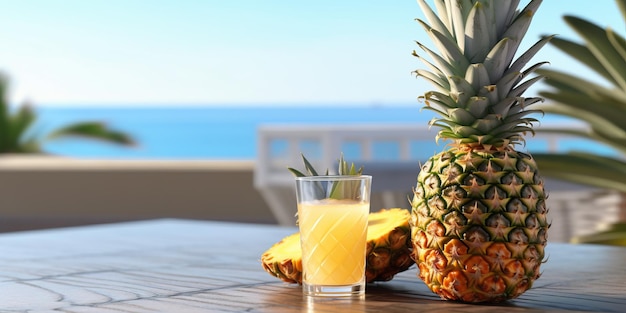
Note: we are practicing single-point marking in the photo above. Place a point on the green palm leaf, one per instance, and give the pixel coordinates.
(5, 118)
(582, 54)
(602, 109)
(15, 136)
(19, 123)
(584, 168)
(602, 48)
(92, 130)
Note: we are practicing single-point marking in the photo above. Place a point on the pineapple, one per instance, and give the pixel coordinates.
(388, 241)
(388, 249)
(284, 259)
(478, 222)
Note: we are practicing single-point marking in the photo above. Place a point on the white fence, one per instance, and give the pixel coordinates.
(391, 153)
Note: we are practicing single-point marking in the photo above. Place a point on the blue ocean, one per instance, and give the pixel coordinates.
(210, 132)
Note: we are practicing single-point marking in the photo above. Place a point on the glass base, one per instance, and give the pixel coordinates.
(354, 290)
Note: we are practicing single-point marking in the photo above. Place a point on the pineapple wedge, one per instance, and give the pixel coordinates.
(388, 249)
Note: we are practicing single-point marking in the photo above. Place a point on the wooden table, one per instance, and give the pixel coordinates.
(192, 266)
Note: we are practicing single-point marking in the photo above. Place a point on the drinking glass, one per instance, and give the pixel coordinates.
(332, 217)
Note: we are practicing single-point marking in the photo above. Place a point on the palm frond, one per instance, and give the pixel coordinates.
(92, 130)
(584, 168)
(601, 47)
(5, 140)
(602, 109)
(15, 126)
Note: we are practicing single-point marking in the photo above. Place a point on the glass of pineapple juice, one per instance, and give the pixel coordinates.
(332, 217)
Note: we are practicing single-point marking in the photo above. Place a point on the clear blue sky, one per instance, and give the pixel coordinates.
(233, 51)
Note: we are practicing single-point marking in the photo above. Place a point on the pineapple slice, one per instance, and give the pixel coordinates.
(284, 259)
(388, 249)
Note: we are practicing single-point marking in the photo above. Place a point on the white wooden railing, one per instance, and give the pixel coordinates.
(391, 153)
(281, 146)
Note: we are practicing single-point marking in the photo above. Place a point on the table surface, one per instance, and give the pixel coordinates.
(197, 266)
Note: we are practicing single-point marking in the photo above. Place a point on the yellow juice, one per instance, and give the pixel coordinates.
(333, 238)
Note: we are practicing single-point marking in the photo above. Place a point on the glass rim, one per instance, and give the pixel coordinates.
(334, 178)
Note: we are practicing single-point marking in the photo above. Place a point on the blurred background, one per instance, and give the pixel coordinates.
(175, 93)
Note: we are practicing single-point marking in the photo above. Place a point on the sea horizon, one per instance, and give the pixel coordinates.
(217, 132)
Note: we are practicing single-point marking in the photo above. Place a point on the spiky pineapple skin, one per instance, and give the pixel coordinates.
(479, 223)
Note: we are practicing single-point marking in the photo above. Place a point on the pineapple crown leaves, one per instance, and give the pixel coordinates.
(339, 189)
(343, 169)
(308, 167)
(479, 84)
